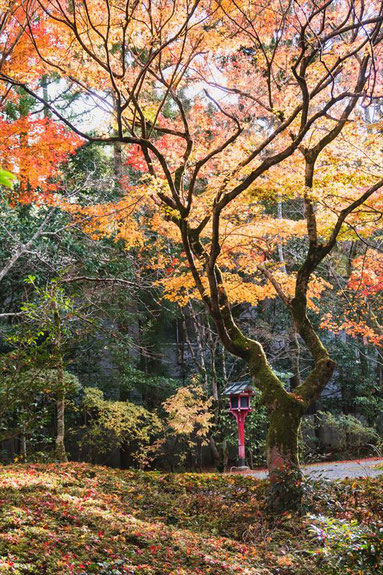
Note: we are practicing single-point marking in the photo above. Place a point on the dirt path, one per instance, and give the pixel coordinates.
(336, 469)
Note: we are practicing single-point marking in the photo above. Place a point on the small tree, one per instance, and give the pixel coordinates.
(112, 424)
(41, 340)
(26, 396)
(189, 417)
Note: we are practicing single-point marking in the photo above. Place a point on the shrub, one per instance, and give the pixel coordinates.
(347, 546)
(338, 433)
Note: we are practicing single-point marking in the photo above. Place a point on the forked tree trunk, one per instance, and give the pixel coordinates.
(285, 410)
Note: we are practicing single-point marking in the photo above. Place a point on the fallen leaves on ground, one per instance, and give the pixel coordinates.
(89, 520)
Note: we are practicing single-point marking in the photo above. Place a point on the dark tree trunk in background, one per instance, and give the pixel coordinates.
(60, 401)
(60, 437)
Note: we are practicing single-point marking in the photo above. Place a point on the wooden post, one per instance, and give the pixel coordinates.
(240, 416)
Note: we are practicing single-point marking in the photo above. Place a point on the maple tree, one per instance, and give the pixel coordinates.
(223, 107)
(189, 419)
(188, 412)
(31, 147)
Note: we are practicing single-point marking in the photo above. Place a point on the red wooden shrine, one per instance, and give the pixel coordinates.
(240, 394)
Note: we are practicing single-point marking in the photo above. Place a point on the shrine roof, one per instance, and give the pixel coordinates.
(239, 387)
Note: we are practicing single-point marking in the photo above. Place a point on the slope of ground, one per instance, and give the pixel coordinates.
(85, 520)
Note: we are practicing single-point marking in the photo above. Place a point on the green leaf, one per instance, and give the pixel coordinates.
(30, 279)
(7, 179)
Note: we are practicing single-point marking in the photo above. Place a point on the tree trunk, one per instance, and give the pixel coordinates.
(60, 445)
(285, 412)
(225, 451)
(60, 403)
(282, 455)
(23, 447)
(218, 464)
(117, 161)
(282, 437)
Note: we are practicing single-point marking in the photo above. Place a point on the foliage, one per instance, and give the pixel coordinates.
(6, 178)
(347, 546)
(154, 388)
(26, 401)
(98, 521)
(37, 334)
(189, 412)
(335, 435)
(33, 149)
(364, 292)
(119, 424)
(352, 435)
(189, 423)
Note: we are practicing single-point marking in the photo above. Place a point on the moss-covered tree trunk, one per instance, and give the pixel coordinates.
(282, 437)
(285, 410)
(282, 454)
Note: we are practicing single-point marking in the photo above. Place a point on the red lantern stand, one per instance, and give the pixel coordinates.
(240, 407)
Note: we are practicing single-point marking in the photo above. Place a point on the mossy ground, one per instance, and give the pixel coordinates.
(82, 519)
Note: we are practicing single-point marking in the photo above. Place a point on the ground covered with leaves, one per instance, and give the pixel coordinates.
(83, 519)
